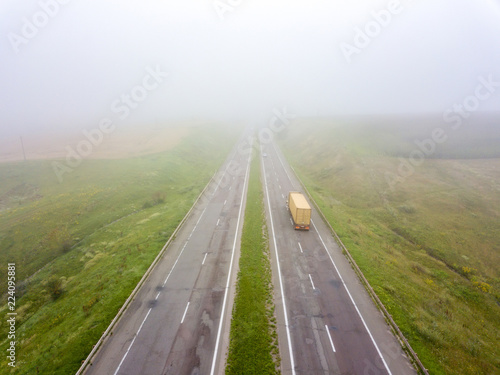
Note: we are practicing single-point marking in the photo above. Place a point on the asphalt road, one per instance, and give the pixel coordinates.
(178, 323)
(327, 323)
(174, 325)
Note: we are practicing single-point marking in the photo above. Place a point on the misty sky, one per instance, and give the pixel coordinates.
(239, 61)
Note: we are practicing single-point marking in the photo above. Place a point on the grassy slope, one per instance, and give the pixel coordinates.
(99, 208)
(253, 347)
(429, 247)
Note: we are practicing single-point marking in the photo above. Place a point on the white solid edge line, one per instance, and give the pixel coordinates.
(292, 361)
(132, 343)
(343, 283)
(185, 312)
(352, 300)
(147, 315)
(230, 268)
(182, 251)
(330, 337)
(283, 166)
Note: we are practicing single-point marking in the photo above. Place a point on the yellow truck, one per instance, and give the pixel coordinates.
(300, 210)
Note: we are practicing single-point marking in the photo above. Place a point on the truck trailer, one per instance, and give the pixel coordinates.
(300, 210)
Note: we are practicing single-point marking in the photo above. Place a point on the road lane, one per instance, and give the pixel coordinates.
(173, 325)
(332, 324)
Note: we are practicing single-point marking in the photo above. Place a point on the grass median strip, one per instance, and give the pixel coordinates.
(253, 347)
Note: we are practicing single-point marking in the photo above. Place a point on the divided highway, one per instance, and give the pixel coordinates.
(178, 323)
(327, 322)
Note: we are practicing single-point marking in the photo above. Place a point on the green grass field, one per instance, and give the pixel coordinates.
(430, 246)
(81, 246)
(253, 346)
